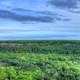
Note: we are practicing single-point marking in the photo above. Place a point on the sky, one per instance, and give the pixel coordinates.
(39, 19)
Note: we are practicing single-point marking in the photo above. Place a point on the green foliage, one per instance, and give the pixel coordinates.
(7, 73)
(45, 46)
(26, 66)
(39, 60)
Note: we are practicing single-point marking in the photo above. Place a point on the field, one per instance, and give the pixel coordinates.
(40, 60)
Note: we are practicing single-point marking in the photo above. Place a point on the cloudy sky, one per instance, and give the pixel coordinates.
(39, 19)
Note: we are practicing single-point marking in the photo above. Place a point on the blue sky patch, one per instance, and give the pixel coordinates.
(39, 19)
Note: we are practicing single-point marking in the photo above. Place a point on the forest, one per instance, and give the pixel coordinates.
(40, 60)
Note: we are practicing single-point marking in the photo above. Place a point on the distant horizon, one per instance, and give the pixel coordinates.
(39, 20)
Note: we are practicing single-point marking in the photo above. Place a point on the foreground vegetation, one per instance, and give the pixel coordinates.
(39, 60)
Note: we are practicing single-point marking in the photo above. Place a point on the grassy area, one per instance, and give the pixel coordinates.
(39, 60)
